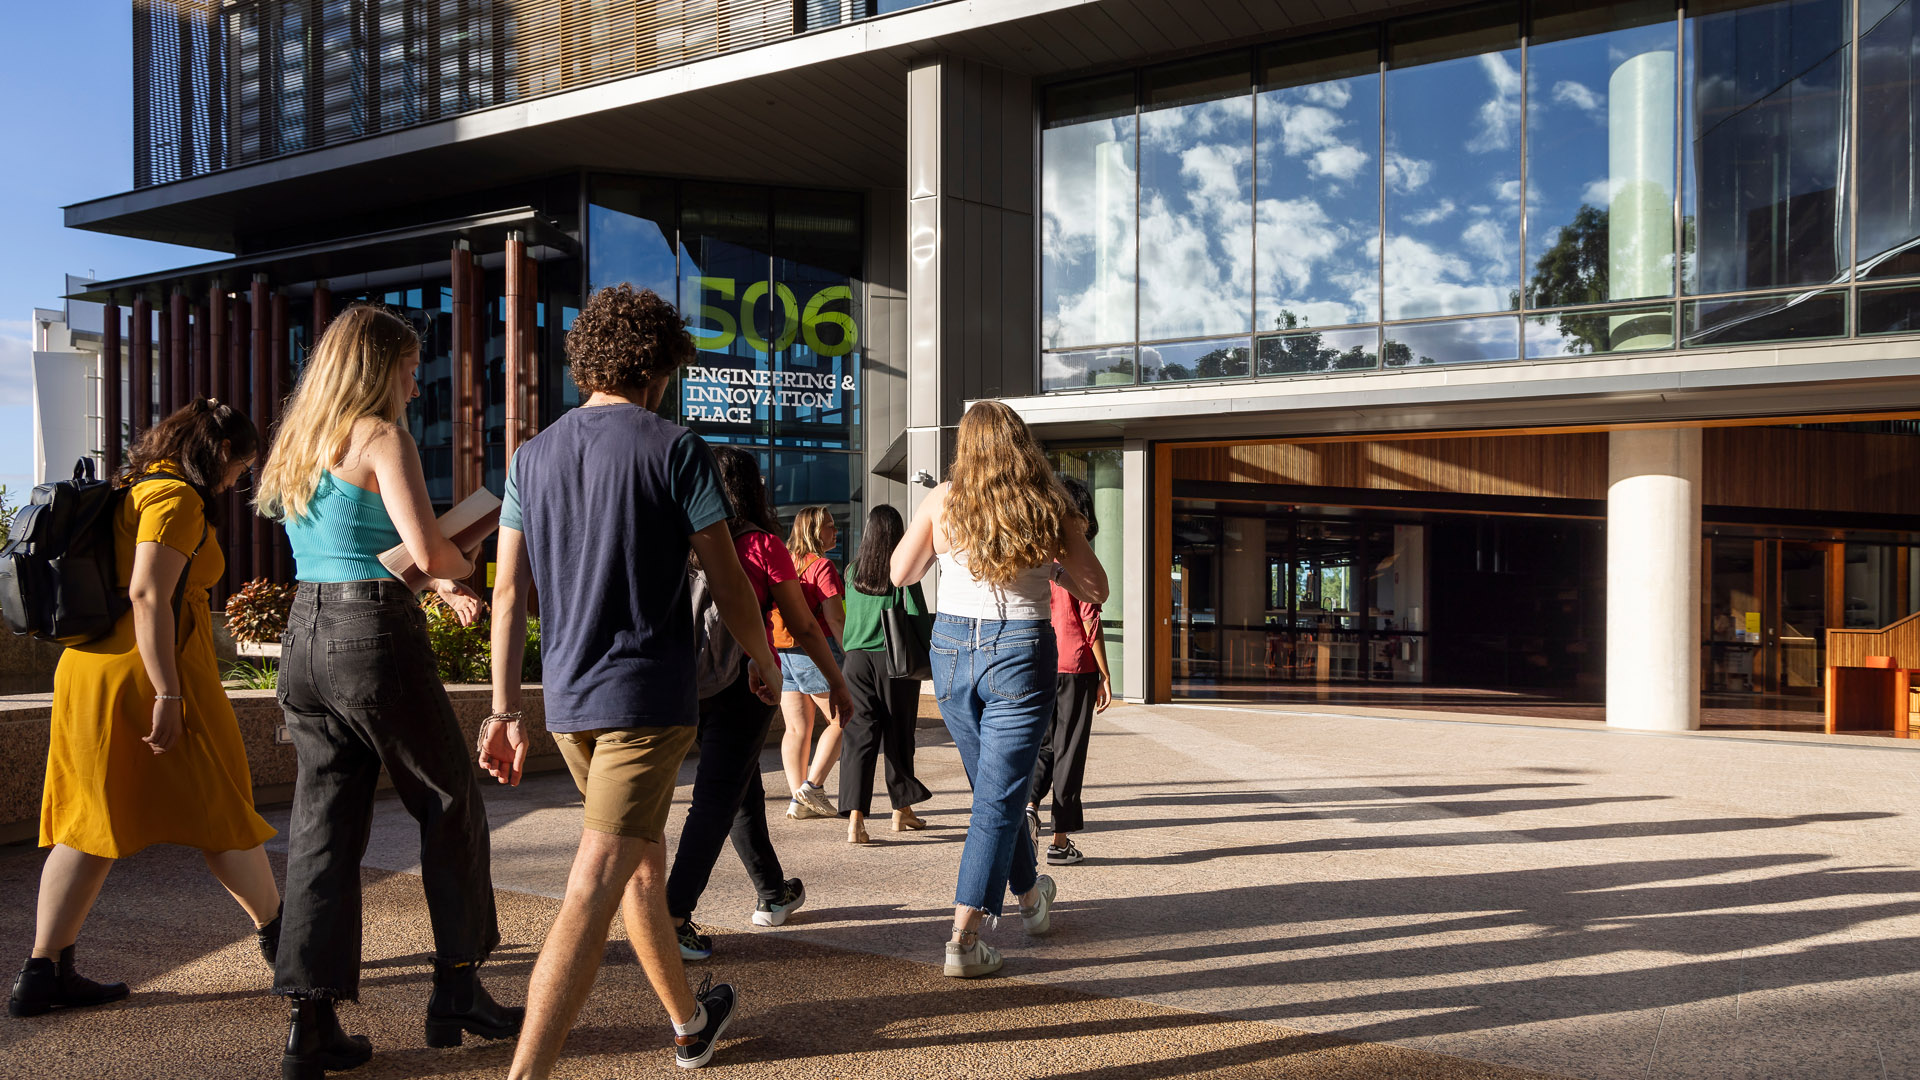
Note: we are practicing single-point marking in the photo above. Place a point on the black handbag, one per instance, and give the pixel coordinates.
(907, 639)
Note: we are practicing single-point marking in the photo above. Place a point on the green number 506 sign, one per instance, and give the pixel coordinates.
(719, 328)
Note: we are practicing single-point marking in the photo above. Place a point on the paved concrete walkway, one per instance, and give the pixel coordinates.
(1564, 901)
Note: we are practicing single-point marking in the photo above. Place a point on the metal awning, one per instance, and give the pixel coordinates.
(334, 260)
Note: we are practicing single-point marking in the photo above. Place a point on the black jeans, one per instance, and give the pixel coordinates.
(728, 799)
(358, 688)
(885, 713)
(1062, 764)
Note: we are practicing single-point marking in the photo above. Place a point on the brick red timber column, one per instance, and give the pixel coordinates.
(110, 414)
(260, 381)
(322, 312)
(461, 348)
(176, 380)
(234, 393)
(163, 360)
(477, 382)
(200, 374)
(277, 379)
(140, 370)
(512, 306)
(530, 286)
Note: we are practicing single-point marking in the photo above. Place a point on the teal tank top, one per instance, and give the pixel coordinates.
(343, 534)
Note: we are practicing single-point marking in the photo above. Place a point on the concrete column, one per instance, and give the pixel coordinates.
(1640, 148)
(1135, 589)
(511, 306)
(1109, 509)
(1653, 579)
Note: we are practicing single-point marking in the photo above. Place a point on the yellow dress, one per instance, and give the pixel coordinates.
(107, 792)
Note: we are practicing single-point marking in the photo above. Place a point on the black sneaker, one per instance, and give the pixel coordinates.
(695, 1050)
(775, 912)
(1063, 856)
(694, 945)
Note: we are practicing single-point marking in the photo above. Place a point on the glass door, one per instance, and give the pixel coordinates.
(1797, 633)
(1769, 603)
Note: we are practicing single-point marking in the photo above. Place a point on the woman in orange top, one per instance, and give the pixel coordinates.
(803, 687)
(145, 748)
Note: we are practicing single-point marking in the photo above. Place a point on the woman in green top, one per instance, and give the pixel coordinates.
(885, 710)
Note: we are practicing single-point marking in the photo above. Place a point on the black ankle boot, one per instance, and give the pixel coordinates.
(459, 1003)
(316, 1045)
(268, 937)
(48, 984)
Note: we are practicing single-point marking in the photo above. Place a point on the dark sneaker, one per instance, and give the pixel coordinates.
(1033, 827)
(775, 912)
(694, 945)
(695, 1050)
(1063, 855)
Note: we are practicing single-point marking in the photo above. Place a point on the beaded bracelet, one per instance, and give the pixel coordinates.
(168, 697)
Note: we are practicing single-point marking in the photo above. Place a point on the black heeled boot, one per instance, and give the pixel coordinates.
(49, 984)
(316, 1045)
(459, 1003)
(268, 937)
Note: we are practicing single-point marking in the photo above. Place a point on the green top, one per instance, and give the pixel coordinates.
(863, 632)
(342, 535)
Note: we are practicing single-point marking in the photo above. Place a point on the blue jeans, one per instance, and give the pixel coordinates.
(994, 681)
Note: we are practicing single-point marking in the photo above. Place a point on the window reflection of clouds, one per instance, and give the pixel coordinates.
(1318, 218)
(1196, 201)
(1453, 172)
(1087, 184)
(1196, 360)
(1889, 108)
(1464, 341)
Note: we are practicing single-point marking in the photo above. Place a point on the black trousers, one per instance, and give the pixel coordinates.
(728, 800)
(1062, 764)
(885, 713)
(358, 690)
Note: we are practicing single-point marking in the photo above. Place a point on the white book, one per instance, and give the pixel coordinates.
(475, 519)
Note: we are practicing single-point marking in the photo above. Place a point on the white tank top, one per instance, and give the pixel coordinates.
(963, 595)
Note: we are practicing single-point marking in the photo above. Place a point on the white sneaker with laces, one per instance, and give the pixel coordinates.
(1038, 919)
(971, 962)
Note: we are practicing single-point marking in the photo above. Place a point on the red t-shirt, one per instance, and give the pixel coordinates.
(767, 564)
(1070, 618)
(819, 582)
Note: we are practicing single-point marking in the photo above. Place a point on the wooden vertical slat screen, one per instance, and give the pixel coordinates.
(219, 83)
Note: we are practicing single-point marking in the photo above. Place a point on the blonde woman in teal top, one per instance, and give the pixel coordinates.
(342, 533)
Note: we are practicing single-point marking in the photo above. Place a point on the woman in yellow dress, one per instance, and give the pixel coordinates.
(145, 747)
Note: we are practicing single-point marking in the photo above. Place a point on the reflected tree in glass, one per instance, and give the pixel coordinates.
(1889, 109)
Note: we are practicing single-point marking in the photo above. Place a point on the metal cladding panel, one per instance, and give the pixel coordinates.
(924, 306)
(1017, 349)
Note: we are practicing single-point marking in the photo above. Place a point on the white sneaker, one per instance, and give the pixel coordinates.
(814, 798)
(1038, 919)
(971, 963)
(800, 811)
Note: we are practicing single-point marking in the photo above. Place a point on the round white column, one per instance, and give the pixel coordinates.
(1640, 199)
(1653, 579)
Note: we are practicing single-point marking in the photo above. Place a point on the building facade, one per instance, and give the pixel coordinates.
(1535, 355)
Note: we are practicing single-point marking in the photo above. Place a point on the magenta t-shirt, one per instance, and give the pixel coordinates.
(1070, 618)
(767, 563)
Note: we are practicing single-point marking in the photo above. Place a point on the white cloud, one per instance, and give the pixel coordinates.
(1334, 95)
(1568, 92)
(1405, 174)
(16, 362)
(1425, 281)
(1488, 240)
(1339, 162)
(1438, 212)
(1499, 115)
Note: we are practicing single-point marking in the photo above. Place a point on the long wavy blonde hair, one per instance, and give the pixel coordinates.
(350, 375)
(808, 525)
(1004, 508)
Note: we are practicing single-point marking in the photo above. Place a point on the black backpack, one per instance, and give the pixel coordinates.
(717, 656)
(59, 578)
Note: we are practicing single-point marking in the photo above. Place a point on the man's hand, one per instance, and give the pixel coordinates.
(461, 600)
(766, 692)
(503, 750)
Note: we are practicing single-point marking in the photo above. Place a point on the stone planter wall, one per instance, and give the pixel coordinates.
(24, 727)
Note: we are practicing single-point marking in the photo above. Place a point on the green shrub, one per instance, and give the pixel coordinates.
(251, 676)
(464, 654)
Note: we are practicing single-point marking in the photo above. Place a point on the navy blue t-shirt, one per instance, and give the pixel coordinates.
(607, 498)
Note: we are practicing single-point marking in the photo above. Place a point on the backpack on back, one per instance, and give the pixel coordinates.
(718, 656)
(59, 577)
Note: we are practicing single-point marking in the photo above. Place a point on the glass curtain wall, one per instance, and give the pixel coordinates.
(768, 281)
(1535, 179)
(1099, 468)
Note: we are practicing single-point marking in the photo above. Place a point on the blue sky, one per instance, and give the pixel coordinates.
(68, 130)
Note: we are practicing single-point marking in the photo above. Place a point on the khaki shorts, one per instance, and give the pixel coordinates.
(627, 775)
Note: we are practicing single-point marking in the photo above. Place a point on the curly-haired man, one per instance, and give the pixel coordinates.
(600, 511)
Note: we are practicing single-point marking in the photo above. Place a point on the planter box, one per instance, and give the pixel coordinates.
(265, 649)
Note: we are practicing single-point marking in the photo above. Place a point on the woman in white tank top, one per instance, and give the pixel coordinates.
(1000, 529)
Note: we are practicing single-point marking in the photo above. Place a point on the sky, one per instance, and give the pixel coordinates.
(67, 127)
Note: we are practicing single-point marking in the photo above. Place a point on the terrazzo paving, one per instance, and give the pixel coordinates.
(1266, 894)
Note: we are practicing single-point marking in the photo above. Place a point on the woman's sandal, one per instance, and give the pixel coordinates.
(857, 834)
(905, 819)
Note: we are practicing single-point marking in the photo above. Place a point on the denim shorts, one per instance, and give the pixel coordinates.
(799, 674)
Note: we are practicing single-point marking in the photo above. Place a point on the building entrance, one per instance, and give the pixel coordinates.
(1768, 609)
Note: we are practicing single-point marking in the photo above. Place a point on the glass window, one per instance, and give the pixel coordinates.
(1465, 341)
(1100, 469)
(1318, 215)
(726, 297)
(1766, 128)
(1755, 320)
(1890, 118)
(1318, 351)
(1600, 152)
(1196, 199)
(630, 225)
(816, 327)
(1195, 360)
(1087, 198)
(1890, 311)
(1592, 333)
(1453, 164)
(1086, 367)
